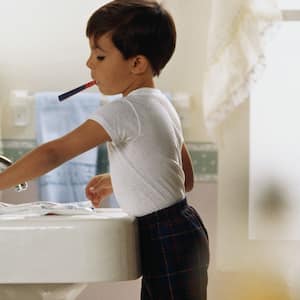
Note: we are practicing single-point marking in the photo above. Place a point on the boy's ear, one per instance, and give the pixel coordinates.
(139, 64)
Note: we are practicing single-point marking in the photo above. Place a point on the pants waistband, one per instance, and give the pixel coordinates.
(162, 213)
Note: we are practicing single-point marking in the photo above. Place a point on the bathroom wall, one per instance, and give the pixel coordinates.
(44, 48)
(237, 253)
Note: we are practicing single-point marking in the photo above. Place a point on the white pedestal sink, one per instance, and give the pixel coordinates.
(54, 257)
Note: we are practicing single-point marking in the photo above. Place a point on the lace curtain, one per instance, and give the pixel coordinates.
(237, 35)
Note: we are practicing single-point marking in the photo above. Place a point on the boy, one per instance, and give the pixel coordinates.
(150, 168)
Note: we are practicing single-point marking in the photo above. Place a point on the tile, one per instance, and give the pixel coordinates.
(205, 161)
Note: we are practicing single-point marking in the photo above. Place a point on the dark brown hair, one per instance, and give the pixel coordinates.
(138, 27)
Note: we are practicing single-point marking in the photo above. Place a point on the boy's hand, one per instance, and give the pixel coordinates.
(98, 188)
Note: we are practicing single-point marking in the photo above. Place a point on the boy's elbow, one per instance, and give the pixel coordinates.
(188, 178)
(189, 185)
(187, 169)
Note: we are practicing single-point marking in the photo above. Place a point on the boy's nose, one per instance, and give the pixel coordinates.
(89, 63)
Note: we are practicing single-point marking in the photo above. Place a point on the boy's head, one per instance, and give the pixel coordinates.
(137, 27)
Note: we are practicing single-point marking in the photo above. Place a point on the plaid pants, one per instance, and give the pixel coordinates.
(174, 254)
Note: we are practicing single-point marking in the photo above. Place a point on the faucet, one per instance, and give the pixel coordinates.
(6, 162)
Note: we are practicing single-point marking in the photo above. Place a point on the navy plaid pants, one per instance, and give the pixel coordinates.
(174, 254)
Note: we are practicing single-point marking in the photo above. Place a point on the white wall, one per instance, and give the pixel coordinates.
(43, 48)
(43, 44)
(186, 69)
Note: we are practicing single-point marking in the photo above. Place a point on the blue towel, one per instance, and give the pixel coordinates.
(54, 119)
(102, 166)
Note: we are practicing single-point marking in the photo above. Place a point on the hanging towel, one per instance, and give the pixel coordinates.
(54, 119)
(102, 166)
(236, 46)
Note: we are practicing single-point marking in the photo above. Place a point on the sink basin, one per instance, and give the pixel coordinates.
(68, 249)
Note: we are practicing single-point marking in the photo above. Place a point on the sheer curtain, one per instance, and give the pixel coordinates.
(238, 31)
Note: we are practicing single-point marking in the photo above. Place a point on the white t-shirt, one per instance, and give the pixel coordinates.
(145, 151)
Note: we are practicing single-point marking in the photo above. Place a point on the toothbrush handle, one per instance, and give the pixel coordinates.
(71, 93)
(76, 90)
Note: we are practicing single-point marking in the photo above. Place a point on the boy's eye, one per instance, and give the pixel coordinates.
(100, 58)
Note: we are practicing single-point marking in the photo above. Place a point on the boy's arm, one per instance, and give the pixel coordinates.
(187, 168)
(52, 154)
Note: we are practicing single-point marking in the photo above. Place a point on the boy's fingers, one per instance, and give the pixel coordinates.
(91, 189)
(99, 196)
(96, 202)
(91, 183)
(95, 184)
(98, 187)
(89, 193)
(94, 180)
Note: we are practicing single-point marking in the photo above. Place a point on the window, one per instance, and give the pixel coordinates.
(274, 187)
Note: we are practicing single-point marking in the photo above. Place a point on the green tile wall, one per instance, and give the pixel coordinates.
(205, 161)
(16, 148)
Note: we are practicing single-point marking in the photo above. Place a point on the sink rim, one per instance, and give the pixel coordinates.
(99, 213)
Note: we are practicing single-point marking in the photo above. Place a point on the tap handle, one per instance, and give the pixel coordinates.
(21, 187)
(5, 160)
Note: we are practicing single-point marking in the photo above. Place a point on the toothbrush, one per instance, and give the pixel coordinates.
(68, 94)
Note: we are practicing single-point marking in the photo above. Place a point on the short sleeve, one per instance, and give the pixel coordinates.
(119, 120)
